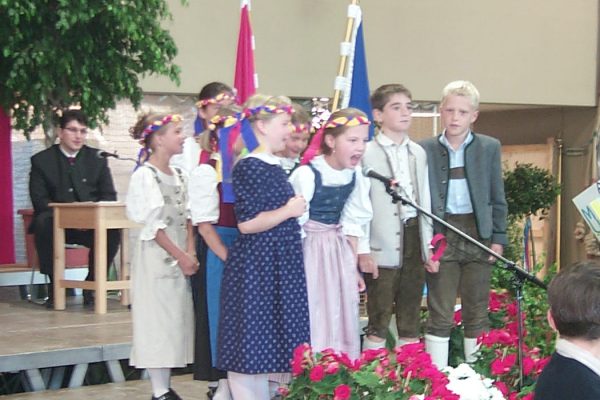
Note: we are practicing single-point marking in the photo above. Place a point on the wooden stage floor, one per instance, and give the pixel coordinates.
(40, 343)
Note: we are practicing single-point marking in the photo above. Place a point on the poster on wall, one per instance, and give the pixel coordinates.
(588, 204)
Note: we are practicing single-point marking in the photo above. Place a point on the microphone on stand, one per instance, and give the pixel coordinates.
(370, 172)
(106, 154)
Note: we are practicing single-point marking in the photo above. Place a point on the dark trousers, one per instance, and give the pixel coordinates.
(43, 232)
(465, 272)
(398, 290)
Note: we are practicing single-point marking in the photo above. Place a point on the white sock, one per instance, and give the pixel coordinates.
(222, 392)
(248, 386)
(471, 348)
(160, 379)
(403, 341)
(438, 348)
(372, 344)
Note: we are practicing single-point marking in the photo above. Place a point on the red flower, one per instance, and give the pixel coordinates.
(283, 391)
(501, 386)
(342, 392)
(528, 365)
(317, 373)
(503, 365)
(457, 317)
(540, 364)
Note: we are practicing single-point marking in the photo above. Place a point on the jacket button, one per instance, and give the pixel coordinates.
(443, 168)
(70, 189)
(397, 233)
(395, 214)
(442, 196)
(444, 182)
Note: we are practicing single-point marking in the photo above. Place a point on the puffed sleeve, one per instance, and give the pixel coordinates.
(358, 211)
(203, 194)
(248, 183)
(144, 203)
(303, 182)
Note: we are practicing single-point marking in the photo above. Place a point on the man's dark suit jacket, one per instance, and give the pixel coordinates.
(54, 180)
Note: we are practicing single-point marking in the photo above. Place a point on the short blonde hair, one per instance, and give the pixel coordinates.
(462, 88)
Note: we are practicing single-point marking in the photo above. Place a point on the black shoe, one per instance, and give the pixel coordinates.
(170, 395)
(211, 392)
(88, 297)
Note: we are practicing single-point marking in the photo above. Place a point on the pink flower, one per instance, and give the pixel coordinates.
(392, 375)
(317, 373)
(283, 391)
(528, 365)
(342, 392)
(332, 368)
(540, 364)
(297, 368)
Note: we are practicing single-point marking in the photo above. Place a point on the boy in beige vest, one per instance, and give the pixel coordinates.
(396, 253)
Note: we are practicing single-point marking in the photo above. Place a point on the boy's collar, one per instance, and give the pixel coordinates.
(386, 140)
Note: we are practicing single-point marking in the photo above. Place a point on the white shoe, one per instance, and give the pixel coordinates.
(471, 349)
(371, 344)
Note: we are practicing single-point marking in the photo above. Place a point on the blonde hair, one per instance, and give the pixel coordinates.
(348, 113)
(462, 88)
(261, 100)
(144, 120)
(204, 139)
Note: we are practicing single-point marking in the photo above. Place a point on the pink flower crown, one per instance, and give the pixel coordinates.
(156, 125)
(218, 99)
(299, 128)
(225, 121)
(268, 109)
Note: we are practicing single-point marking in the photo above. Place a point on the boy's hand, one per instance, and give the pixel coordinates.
(361, 283)
(368, 265)
(496, 248)
(296, 206)
(431, 266)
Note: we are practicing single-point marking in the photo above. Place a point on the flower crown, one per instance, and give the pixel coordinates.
(156, 125)
(299, 128)
(218, 99)
(268, 109)
(345, 121)
(225, 121)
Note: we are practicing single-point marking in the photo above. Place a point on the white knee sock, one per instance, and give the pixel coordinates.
(438, 348)
(222, 392)
(160, 379)
(471, 348)
(248, 386)
(372, 344)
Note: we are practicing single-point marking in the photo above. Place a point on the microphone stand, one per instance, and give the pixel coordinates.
(520, 276)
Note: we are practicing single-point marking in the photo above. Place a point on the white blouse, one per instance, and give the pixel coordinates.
(144, 200)
(190, 156)
(203, 193)
(357, 212)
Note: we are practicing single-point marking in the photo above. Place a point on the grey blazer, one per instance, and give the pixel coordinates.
(483, 171)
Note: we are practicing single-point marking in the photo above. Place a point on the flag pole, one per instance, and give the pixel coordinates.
(343, 59)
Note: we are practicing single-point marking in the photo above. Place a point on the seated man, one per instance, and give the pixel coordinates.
(574, 369)
(65, 173)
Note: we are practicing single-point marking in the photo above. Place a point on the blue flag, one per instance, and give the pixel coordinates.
(359, 91)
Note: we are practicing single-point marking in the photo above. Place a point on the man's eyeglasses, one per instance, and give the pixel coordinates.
(74, 131)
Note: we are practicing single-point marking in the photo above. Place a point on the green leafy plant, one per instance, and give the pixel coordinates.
(56, 54)
(529, 190)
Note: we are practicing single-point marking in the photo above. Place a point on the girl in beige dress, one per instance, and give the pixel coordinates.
(162, 309)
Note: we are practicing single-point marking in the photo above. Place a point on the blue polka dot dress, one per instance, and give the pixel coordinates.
(264, 310)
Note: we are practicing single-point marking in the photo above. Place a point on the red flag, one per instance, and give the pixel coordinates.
(245, 80)
(7, 244)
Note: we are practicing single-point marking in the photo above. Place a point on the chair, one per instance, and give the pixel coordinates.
(76, 256)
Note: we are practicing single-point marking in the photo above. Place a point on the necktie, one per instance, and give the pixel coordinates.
(71, 160)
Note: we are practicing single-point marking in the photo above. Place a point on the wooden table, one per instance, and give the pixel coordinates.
(98, 216)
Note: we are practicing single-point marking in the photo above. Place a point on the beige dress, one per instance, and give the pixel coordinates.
(162, 308)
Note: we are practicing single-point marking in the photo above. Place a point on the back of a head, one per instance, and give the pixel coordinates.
(574, 297)
(464, 89)
(212, 89)
(381, 96)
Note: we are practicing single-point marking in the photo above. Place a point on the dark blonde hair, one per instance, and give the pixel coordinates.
(574, 297)
(204, 139)
(300, 115)
(338, 130)
(381, 95)
(137, 130)
(260, 100)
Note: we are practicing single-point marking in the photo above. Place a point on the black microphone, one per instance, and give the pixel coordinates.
(369, 172)
(106, 154)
